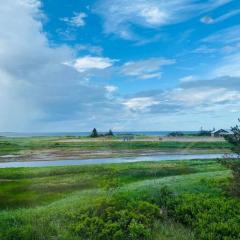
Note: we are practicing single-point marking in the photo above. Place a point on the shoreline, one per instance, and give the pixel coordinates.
(119, 160)
(85, 155)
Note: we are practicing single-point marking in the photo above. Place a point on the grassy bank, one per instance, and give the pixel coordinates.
(92, 202)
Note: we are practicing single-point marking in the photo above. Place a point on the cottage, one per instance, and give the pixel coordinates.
(221, 133)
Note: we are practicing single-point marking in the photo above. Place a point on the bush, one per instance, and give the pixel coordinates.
(234, 163)
(116, 219)
(214, 218)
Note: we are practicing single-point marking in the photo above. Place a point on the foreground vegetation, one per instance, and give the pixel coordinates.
(147, 200)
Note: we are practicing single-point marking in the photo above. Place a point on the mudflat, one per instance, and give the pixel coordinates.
(57, 148)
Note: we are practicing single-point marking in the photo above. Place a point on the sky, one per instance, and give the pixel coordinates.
(140, 65)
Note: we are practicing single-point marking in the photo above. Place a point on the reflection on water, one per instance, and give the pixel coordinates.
(110, 160)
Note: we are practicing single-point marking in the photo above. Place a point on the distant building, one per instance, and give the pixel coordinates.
(127, 137)
(221, 133)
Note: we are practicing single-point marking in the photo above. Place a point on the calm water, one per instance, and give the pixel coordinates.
(75, 134)
(110, 160)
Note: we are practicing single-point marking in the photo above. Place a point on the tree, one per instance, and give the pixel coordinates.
(94, 133)
(175, 134)
(234, 162)
(110, 133)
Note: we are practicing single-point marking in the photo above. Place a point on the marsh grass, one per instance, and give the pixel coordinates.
(47, 203)
(19, 145)
(28, 187)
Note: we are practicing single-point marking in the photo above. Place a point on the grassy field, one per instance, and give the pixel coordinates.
(92, 202)
(66, 146)
(23, 187)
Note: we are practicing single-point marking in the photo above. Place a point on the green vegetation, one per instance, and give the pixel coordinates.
(19, 145)
(110, 133)
(24, 187)
(94, 133)
(212, 217)
(176, 134)
(234, 164)
(9, 147)
(169, 200)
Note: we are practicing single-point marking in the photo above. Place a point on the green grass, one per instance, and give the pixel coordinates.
(169, 230)
(43, 203)
(25, 187)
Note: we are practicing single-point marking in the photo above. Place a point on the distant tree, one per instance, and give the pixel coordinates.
(175, 134)
(110, 133)
(204, 133)
(234, 162)
(94, 133)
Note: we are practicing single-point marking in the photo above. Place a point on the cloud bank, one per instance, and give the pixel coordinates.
(38, 90)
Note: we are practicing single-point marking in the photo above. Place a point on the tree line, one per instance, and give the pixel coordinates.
(95, 133)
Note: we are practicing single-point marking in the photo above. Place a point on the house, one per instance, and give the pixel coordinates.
(221, 133)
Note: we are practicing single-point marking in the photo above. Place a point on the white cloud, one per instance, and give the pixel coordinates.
(87, 63)
(111, 88)
(189, 78)
(15, 108)
(213, 96)
(153, 15)
(226, 36)
(96, 50)
(227, 15)
(156, 75)
(78, 20)
(227, 43)
(120, 14)
(146, 69)
(228, 66)
(37, 91)
(139, 103)
(205, 50)
(199, 96)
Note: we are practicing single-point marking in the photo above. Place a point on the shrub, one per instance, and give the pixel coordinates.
(214, 218)
(234, 163)
(115, 219)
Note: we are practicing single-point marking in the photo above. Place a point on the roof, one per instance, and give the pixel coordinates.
(228, 131)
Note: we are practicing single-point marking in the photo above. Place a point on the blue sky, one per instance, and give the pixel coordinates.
(71, 65)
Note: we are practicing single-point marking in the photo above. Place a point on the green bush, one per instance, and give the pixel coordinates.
(116, 219)
(213, 218)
